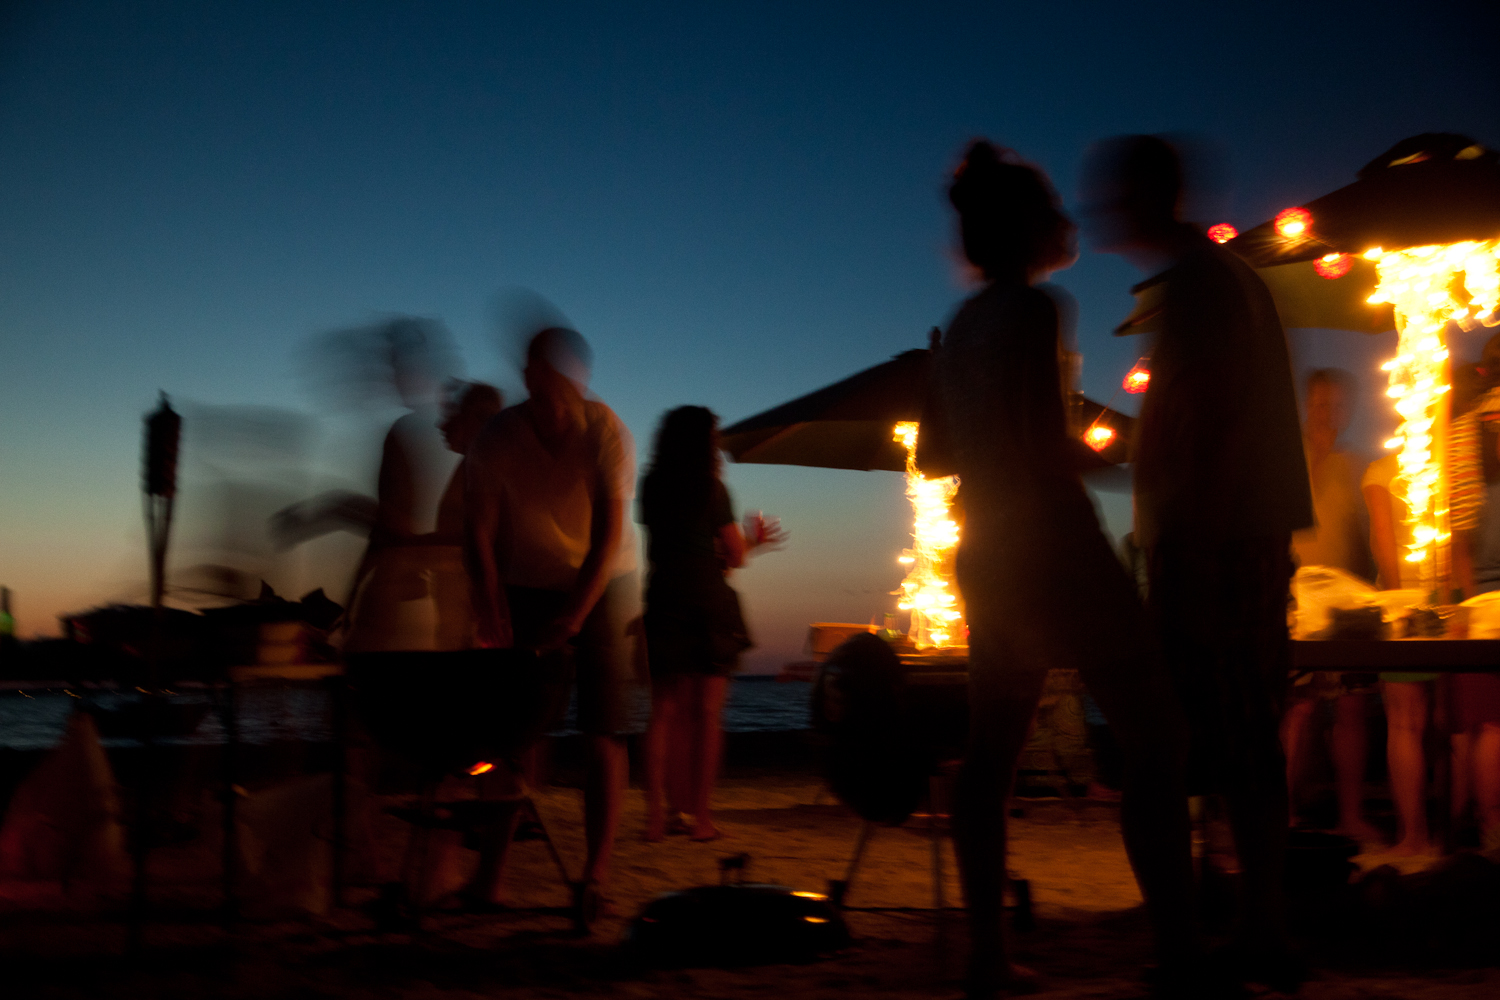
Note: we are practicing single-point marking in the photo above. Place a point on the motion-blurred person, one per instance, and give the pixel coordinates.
(553, 558)
(1474, 699)
(1407, 696)
(1220, 485)
(394, 603)
(1041, 585)
(1340, 540)
(694, 629)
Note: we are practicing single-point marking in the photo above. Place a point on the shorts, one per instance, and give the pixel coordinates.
(606, 651)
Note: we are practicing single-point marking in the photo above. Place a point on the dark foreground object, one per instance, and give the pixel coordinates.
(729, 925)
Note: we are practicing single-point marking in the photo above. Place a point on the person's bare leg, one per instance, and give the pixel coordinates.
(708, 694)
(603, 795)
(1295, 726)
(665, 719)
(1257, 810)
(1406, 721)
(1002, 699)
(485, 887)
(1138, 700)
(1486, 768)
(1460, 772)
(1350, 748)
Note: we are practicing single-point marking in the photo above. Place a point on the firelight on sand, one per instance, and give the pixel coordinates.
(1422, 284)
(928, 591)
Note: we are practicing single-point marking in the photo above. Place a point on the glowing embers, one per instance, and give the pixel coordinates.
(1333, 265)
(928, 592)
(1423, 285)
(1099, 437)
(1293, 223)
(1138, 379)
(1222, 232)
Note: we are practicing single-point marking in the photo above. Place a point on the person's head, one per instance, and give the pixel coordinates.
(1488, 368)
(1131, 192)
(1330, 393)
(557, 366)
(1009, 216)
(470, 406)
(687, 445)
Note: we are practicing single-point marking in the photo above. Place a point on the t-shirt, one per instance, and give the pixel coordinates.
(682, 537)
(1340, 536)
(1383, 472)
(544, 501)
(1218, 444)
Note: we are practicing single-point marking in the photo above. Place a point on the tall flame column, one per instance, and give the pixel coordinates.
(1421, 283)
(928, 591)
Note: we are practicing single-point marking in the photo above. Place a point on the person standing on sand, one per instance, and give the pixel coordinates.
(552, 558)
(1220, 485)
(1041, 584)
(694, 631)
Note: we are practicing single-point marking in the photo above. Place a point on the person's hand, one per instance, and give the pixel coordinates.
(557, 634)
(763, 533)
(495, 635)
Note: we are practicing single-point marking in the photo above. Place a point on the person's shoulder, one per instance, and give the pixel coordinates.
(501, 430)
(1381, 471)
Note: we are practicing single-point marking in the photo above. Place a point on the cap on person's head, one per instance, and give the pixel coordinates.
(1143, 171)
(565, 352)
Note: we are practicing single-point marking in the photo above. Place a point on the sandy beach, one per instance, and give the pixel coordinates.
(1090, 941)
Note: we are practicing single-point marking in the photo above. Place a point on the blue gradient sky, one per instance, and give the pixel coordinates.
(735, 205)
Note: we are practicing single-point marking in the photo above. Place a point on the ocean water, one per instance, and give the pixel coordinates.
(35, 719)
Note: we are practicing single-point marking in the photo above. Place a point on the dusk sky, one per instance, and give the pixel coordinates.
(735, 204)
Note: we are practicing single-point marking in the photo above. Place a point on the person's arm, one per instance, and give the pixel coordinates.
(593, 575)
(1383, 536)
(483, 516)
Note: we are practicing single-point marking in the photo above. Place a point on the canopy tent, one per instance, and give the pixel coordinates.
(849, 424)
(1430, 190)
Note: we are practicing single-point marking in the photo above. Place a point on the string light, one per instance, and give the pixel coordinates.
(1138, 379)
(1099, 437)
(1293, 223)
(1333, 265)
(927, 591)
(1223, 232)
(1422, 285)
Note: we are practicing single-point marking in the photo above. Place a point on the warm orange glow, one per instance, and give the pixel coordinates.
(483, 767)
(1333, 265)
(1293, 223)
(1138, 379)
(1421, 283)
(1222, 233)
(1099, 436)
(928, 591)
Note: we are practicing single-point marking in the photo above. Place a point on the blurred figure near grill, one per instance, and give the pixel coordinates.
(552, 556)
(1042, 586)
(1220, 485)
(694, 630)
(1340, 540)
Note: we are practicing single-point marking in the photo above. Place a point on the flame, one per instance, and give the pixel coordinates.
(483, 767)
(928, 591)
(1421, 284)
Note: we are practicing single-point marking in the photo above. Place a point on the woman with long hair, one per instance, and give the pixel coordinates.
(1042, 586)
(694, 631)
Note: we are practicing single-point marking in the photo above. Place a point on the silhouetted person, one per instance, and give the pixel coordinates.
(694, 631)
(1220, 485)
(553, 558)
(1041, 584)
(1340, 540)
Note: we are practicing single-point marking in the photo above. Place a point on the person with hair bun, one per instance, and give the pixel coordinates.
(1041, 584)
